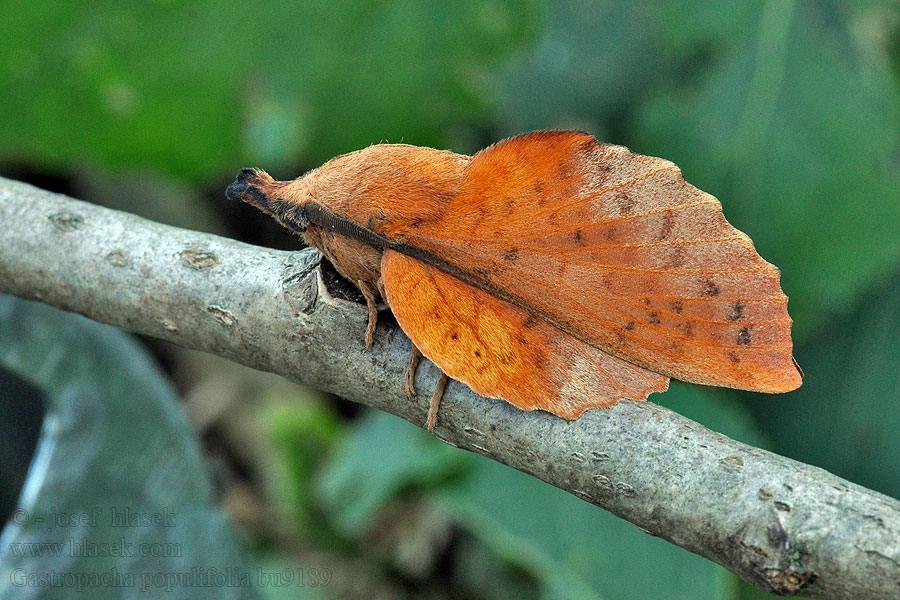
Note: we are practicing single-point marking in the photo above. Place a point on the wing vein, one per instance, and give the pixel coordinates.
(509, 220)
(544, 249)
(623, 390)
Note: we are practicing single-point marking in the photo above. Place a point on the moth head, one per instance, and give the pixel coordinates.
(283, 200)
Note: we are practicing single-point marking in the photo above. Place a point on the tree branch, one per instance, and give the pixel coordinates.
(785, 526)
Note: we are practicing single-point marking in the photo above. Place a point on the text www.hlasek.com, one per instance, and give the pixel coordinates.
(84, 548)
(171, 580)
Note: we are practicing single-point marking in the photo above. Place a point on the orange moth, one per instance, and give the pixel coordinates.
(550, 270)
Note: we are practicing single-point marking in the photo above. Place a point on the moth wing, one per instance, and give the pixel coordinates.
(500, 350)
(618, 250)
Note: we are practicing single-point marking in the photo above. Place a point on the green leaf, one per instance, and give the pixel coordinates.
(382, 456)
(575, 549)
(114, 442)
(793, 129)
(302, 434)
(194, 87)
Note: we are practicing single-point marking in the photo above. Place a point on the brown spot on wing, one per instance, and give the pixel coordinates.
(625, 203)
(710, 288)
(737, 310)
(666, 227)
(678, 257)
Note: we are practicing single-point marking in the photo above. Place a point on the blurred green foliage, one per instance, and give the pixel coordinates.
(574, 550)
(787, 111)
(795, 129)
(846, 417)
(191, 87)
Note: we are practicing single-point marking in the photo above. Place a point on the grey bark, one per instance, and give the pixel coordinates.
(786, 527)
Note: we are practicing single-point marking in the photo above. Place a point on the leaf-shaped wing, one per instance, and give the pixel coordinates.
(619, 251)
(501, 350)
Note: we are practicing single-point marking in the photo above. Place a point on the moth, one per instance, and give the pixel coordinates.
(550, 270)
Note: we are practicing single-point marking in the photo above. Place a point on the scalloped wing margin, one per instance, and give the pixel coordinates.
(619, 251)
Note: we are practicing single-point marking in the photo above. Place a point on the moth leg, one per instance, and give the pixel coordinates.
(435, 402)
(369, 294)
(409, 384)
